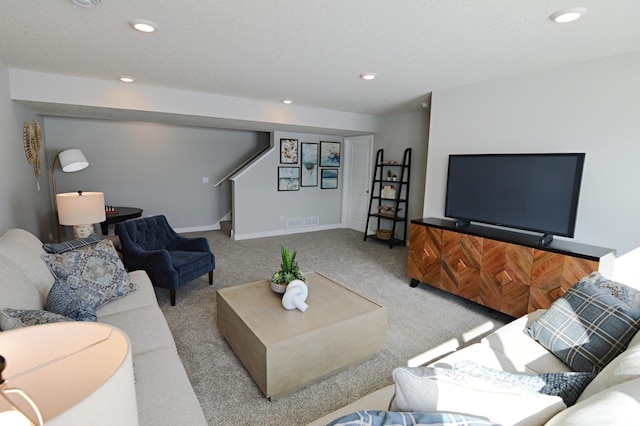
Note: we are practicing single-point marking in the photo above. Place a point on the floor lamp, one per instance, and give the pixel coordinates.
(71, 160)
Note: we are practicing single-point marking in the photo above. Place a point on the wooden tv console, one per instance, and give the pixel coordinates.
(503, 270)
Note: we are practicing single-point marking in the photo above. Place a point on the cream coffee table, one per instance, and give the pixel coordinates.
(287, 350)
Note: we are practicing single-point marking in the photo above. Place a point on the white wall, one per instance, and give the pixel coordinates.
(591, 107)
(156, 167)
(261, 210)
(24, 201)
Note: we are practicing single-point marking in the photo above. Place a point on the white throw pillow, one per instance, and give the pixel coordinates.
(415, 392)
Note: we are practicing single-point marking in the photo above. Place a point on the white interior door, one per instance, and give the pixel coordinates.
(358, 181)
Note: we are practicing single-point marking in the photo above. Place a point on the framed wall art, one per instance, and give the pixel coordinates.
(329, 154)
(288, 178)
(309, 164)
(289, 151)
(329, 179)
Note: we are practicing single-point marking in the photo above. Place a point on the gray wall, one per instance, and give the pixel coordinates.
(590, 107)
(403, 131)
(24, 201)
(261, 210)
(156, 167)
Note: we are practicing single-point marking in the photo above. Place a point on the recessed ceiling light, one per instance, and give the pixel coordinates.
(287, 101)
(568, 15)
(126, 79)
(86, 3)
(143, 25)
(368, 76)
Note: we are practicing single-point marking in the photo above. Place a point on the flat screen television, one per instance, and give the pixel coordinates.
(533, 192)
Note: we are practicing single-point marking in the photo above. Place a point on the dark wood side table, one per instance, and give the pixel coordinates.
(123, 213)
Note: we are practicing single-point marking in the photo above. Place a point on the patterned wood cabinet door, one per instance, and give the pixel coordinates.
(461, 258)
(505, 277)
(553, 274)
(424, 254)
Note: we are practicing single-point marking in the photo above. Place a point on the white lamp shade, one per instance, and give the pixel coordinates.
(77, 209)
(76, 373)
(72, 160)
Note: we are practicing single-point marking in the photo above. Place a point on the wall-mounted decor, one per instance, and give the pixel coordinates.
(32, 141)
(329, 154)
(309, 162)
(329, 179)
(288, 178)
(289, 151)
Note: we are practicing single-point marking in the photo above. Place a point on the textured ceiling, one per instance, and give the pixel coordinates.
(312, 51)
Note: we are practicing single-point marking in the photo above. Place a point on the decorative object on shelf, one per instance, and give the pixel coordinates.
(309, 162)
(383, 234)
(289, 151)
(288, 272)
(82, 210)
(329, 179)
(32, 141)
(389, 173)
(295, 296)
(288, 178)
(329, 154)
(389, 192)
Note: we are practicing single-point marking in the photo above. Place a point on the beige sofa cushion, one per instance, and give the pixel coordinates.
(617, 405)
(26, 251)
(163, 390)
(16, 290)
(624, 367)
(515, 345)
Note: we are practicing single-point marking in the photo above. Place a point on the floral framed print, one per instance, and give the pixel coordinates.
(329, 179)
(309, 164)
(288, 178)
(289, 151)
(329, 154)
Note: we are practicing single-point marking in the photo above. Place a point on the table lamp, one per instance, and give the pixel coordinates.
(82, 210)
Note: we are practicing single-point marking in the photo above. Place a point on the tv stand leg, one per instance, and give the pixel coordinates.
(414, 283)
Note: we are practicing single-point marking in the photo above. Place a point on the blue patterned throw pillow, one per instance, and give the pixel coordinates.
(628, 295)
(63, 300)
(96, 272)
(586, 328)
(18, 318)
(393, 418)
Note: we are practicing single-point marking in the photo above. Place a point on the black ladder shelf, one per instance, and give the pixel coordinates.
(389, 200)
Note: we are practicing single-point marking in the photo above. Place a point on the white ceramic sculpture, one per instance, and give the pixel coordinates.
(295, 296)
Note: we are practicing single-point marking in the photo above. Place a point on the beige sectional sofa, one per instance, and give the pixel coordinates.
(611, 398)
(163, 391)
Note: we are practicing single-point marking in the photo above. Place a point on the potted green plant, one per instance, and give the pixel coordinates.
(289, 271)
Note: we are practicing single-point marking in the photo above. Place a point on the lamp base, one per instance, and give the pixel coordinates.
(82, 231)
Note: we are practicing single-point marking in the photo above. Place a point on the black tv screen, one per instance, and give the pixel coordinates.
(534, 192)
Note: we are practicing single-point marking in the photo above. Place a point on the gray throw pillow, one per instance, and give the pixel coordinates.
(586, 328)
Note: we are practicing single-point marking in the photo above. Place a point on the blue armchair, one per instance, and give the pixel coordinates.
(169, 259)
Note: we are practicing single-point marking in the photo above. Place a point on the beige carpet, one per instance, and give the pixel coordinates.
(419, 319)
